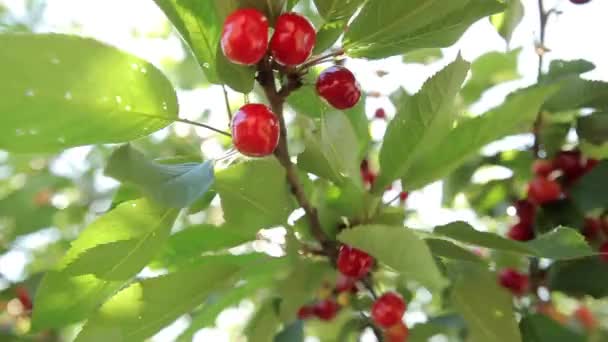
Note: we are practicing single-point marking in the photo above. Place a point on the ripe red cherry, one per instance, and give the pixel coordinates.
(570, 162)
(388, 310)
(604, 251)
(245, 36)
(516, 282)
(293, 39)
(353, 262)
(339, 87)
(592, 228)
(397, 333)
(526, 211)
(403, 195)
(380, 113)
(542, 167)
(306, 312)
(255, 130)
(326, 310)
(541, 190)
(521, 232)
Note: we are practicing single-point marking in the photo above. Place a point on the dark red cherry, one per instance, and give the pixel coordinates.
(255, 130)
(380, 113)
(571, 164)
(526, 211)
(338, 86)
(592, 228)
(604, 251)
(388, 310)
(543, 167)
(517, 283)
(521, 232)
(542, 190)
(306, 312)
(293, 39)
(353, 262)
(326, 309)
(245, 36)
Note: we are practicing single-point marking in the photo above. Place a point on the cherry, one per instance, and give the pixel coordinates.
(255, 130)
(380, 113)
(369, 177)
(542, 167)
(590, 164)
(604, 251)
(586, 317)
(592, 228)
(521, 232)
(293, 39)
(579, 2)
(542, 190)
(516, 282)
(570, 162)
(339, 87)
(306, 312)
(345, 284)
(403, 195)
(353, 262)
(526, 211)
(24, 297)
(388, 310)
(245, 36)
(397, 333)
(326, 310)
(364, 165)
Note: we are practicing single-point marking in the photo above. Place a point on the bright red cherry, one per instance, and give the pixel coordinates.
(326, 310)
(542, 190)
(542, 167)
(339, 87)
(293, 39)
(592, 228)
(517, 283)
(255, 130)
(388, 310)
(403, 195)
(604, 251)
(571, 163)
(397, 333)
(526, 211)
(306, 312)
(521, 232)
(245, 36)
(353, 262)
(380, 113)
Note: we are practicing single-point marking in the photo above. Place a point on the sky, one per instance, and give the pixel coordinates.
(579, 32)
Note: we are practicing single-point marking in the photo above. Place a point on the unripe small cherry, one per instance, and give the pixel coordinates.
(353, 262)
(521, 232)
(326, 310)
(397, 333)
(542, 190)
(543, 167)
(244, 37)
(604, 251)
(306, 312)
(526, 211)
(388, 309)
(255, 130)
(516, 282)
(293, 39)
(338, 86)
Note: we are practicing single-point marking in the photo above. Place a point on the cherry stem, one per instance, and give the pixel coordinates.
(194, 123)
(320, 59)
(227, 101)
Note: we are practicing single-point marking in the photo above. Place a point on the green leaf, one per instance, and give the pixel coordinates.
(264, 324)
(516, 115)
(560, 68)
(399, 248)
(332, 10)
(330, 153)
(238, 77)
(193, 241)
(593, 128)
(421, 122)
(385, 29)
(61, 94)
(561, 243)
(254, 194)
(486, 308)
(106, 255)
(507, 21)
(142, 309)
(489, 70)
(176, 185)
(540, 328)
(582, 277)
(577, 93)
(272, 8)
(591, 191)
(423, 56)
(449, 250)
(328, 35)
(291, 333)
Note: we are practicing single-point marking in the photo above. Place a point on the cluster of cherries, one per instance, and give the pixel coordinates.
(551, 182)
(354, 265)
(244, 40)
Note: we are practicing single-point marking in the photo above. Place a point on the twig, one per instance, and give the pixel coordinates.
(194, 123)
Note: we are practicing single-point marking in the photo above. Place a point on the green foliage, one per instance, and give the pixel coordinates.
(573, 277)
(384, 29)
(332, 10)
(591, 191)
(539, 328)
(507, 21)
(174, 185)
(61, 95)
